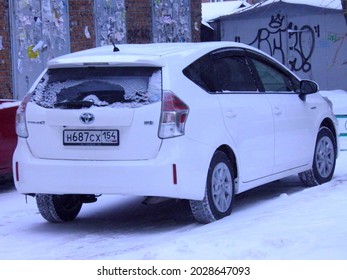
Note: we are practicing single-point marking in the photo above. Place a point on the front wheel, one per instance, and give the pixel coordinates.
(219, 193)
(58, 208)
(323, 162)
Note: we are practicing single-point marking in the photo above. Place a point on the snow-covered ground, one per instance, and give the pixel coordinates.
(278, 221)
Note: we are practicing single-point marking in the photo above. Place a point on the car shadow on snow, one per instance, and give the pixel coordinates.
(124, 215)
(6, 184)
(261, 194)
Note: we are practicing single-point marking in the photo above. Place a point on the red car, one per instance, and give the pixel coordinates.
(8, 137)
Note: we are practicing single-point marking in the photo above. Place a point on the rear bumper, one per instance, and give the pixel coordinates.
(179, 171)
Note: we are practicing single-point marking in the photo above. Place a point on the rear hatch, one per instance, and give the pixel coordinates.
(96, 113)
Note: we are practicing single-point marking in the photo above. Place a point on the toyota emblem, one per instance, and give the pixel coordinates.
(87, 118)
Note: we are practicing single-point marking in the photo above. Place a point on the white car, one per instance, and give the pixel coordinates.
(194, 121)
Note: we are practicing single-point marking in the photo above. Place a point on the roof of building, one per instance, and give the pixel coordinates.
(328, 4)
(211, 10)
(215, 10)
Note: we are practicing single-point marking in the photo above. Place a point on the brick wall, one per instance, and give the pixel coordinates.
(138, 21)
(81, 16)
(196, 19)
(5, 53)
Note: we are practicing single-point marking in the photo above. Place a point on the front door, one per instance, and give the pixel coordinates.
(294, 118)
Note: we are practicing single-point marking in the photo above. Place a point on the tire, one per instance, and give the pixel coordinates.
(324, 160)
(219, 192)
(58, 208)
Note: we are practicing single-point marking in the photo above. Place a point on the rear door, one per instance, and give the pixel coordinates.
(96, 113)
(247, 114)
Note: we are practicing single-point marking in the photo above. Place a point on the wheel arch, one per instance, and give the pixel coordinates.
(328, 123)
(233, 160)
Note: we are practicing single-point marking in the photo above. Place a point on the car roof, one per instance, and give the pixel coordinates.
(154, 54)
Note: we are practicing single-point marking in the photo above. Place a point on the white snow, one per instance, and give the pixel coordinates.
(330, 4)
(339, 99)
(214, 10)
(9, 104)
(278, 221)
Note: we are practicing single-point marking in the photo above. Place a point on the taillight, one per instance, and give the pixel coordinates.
(21, 126)
(174, 115)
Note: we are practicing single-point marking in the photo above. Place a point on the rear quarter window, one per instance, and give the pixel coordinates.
(201, 72)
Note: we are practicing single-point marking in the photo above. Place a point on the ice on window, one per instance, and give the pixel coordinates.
(114, 87)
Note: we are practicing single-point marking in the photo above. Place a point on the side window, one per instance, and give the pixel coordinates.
(201, 73)
(233, 74)
(273, 79)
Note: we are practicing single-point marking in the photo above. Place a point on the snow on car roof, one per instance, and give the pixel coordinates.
(153, 54)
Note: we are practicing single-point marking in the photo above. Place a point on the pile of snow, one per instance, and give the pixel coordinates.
(338, 98)
(9, 104)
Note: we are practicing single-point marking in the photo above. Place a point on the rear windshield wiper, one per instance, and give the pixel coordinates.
(74, 104)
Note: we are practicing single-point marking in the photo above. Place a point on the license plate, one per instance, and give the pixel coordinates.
(91, 137)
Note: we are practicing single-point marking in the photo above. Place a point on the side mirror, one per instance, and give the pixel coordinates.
(307, 87)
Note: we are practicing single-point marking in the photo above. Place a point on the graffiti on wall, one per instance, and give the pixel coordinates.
(301, 42)
(110, 21)
(171, 21)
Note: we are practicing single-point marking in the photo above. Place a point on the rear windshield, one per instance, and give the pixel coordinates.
(74, 88)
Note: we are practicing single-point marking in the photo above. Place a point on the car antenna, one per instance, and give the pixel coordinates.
(115, 49)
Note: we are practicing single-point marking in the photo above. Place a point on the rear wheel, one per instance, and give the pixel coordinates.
(58, 208)
(324, 160)
(219, 193)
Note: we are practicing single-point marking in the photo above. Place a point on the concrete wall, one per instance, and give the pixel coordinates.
(310, 41)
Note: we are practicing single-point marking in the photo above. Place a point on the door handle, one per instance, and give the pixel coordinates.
(231, 114)
(277, 111)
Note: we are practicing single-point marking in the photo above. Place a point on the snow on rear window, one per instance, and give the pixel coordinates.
(114, 87)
